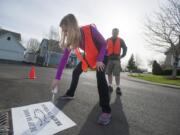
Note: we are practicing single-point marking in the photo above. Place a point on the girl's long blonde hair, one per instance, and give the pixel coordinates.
(72, 38)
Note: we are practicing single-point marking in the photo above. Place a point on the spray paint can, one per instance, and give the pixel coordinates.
(54, 92)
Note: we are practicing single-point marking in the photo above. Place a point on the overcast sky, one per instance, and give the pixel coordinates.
(34, 18)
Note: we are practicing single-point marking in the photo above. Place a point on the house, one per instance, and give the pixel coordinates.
(50, 53)
(10, 46)
(30, 57)
(169, 61)
(31, 54)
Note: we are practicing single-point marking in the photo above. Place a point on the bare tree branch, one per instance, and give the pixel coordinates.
(162, 29)
(33, 45)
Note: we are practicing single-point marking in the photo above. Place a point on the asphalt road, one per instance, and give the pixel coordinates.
(143, 109)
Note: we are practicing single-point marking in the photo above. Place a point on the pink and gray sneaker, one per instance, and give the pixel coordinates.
(104, 119)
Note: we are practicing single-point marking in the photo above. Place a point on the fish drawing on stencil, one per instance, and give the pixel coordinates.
(41, 117)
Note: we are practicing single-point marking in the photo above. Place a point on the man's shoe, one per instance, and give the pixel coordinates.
(118, 91)
(104, 119)
(110, 88)
(67, 97)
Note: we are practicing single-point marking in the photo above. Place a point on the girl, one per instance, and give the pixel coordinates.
(91, 41)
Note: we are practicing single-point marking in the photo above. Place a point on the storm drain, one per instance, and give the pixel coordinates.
(5, 126)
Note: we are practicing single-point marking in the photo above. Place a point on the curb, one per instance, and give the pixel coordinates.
(152, 83)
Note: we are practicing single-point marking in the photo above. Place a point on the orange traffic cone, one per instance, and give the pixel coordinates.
(32, 73)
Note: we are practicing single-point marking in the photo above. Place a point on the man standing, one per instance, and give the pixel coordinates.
(114, 45)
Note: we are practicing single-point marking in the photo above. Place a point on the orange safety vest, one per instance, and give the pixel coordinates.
(91, 52)
(114, 48)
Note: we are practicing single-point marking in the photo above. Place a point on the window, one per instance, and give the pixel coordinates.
(8, 38)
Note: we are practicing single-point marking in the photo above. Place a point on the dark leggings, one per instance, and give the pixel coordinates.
(101, 84)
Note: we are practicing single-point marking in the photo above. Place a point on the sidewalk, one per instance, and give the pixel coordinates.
(125, 76)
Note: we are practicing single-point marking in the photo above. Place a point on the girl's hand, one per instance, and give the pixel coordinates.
(100, 66)
(54, 83)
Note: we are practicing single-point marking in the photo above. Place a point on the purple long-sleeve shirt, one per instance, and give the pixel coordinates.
(100, 45)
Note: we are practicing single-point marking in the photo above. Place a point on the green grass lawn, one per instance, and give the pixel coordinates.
(157, 78)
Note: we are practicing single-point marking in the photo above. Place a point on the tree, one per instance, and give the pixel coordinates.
(162, 30)
(131, 64)
(53, 33)
(53, 37)
(156, 68)
(33, 45)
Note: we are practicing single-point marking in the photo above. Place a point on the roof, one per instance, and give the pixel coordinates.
(16, 35)
(53, 45)
(10, 34)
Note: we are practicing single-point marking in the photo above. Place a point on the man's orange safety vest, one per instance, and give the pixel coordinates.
(114, 49)
(91, 52)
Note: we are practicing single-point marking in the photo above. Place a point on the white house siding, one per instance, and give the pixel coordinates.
(179, 62)
(168, 60)
(11, 49)
(172, 61)
(43, 48)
